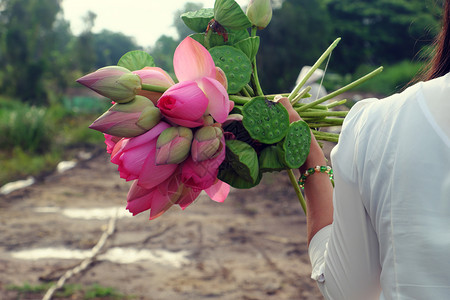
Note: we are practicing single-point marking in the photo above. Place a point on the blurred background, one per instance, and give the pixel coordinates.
(254, 246)
(45, 45)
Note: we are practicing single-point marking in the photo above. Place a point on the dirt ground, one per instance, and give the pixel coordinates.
(252, 246)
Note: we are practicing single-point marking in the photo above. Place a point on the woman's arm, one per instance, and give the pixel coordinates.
(318, 188)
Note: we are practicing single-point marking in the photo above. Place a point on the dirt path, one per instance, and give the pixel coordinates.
(253, 246)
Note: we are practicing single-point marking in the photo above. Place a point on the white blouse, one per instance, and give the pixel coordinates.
(390, 238)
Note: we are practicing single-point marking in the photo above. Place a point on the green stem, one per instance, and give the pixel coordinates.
(253, 32)
(324, 124)
(259, 91)
(321, 113)
(249, 90)
(337, 103)
(327, 138)
(300, 95)
(351, 85)
(313, 68)
(239, 99)
(245, 92)
(297, 189)
(207, 38)
(153, 88)
(255, 78)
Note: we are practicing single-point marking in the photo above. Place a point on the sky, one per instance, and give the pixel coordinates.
(145, 20)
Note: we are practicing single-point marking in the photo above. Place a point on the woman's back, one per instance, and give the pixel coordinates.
(399, 159)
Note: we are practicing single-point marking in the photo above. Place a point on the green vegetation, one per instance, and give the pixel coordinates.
(392, 80)
(72, 291)
(40, 59)
(34, 139)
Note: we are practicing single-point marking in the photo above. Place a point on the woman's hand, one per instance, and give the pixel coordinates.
(318, 188)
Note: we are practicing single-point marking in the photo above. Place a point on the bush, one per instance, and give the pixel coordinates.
(392, 80)
(25, 127)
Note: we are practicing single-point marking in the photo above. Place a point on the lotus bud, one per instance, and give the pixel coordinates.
(259, 12)
(114, 82)
(128, 119)
(207, 143)
(208, 120)
(173, 145)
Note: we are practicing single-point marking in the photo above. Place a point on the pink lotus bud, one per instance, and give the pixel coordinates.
(207, 143)
(259, 12)
(113, 82)
(173, 145)
(128, 119)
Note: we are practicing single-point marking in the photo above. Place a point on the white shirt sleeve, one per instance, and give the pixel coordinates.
(344, 255)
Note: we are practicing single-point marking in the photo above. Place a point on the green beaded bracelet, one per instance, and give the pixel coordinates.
(317, 169)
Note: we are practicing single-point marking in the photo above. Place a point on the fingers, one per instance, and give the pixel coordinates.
(293, 115)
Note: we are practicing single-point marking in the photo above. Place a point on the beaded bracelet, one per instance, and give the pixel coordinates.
(316, 169)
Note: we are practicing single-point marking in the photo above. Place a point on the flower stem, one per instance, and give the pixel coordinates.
(240, 100)
(255, 78)
(336, 103)
(347, 87)
(153, 88)
(321, 113)
(297, 189)
(313, 68)
(300, 95)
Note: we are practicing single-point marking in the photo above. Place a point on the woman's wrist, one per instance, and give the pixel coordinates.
(315, 157)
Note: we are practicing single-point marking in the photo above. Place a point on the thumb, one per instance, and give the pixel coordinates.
(293, 115)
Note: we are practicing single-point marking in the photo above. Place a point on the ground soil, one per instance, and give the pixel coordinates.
(252, 246)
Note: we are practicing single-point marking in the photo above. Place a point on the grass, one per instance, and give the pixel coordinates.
(33, 140)
(392, 80)
(69, 291)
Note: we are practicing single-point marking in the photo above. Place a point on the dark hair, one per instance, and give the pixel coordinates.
(440, 63)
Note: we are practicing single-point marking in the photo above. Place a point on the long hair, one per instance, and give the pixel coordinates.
(440, 63)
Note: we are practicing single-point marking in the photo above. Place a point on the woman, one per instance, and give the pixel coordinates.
(388, 234)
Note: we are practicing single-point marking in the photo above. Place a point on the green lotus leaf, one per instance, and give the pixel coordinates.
(243, 159)
(229, 175)
(214, 39)
(235, 64)
(235, 36)
(249, 46)
(136, 60)
(269, 160)
(229, 14)
(265, 121)
(198, 20)
(296, 144)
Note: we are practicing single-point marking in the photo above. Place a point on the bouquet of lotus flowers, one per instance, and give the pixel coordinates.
(212, 127)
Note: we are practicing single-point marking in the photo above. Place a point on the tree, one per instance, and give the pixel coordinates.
(26, 42)
(381, 31)
(182, 30)
(299, 32)
(84, 48)
(165, 46)
(110, 46)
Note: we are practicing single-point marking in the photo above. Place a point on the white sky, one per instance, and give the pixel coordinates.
(145, 20)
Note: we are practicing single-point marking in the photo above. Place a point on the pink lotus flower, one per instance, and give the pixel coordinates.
(136, 158)
(154, 76)
(202, 175)
(158, 199)
(194, 67)
(184, 104)
(171, 191)
(110, 142)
